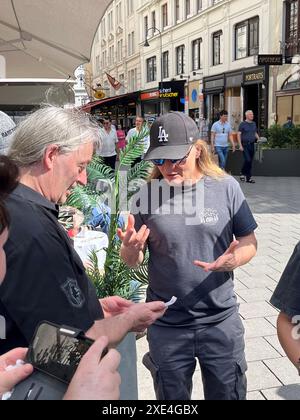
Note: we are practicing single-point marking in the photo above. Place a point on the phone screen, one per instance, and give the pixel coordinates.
(56, 353)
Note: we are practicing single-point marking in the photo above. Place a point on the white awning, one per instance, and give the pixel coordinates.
(47, 38)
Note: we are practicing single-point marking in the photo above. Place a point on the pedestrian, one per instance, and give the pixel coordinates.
(286, 298)
(221, 134)
(46, 280)
(109, 144)
(198, 228)
(289, 123)
(121, 137)
(247, 137)
(139, 126)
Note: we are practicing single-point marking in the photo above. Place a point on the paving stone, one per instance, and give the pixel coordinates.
(272, 320)
(255, 396)
(274, 341)
(255, 295)
(284, 393)
(259, 327)
(284, 371)
(260, 377)
(257, 310)
(258, 282)
(259, 349)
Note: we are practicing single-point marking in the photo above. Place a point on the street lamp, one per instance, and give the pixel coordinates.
(146, 45)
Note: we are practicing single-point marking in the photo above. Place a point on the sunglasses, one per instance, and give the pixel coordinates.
(177, 162)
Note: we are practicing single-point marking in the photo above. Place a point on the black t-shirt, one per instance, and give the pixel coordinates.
(286, 297)
(45, 280)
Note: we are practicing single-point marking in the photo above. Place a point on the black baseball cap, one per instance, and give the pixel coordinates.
(171, 136)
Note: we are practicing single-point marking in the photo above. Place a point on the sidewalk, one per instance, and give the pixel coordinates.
(276, 205)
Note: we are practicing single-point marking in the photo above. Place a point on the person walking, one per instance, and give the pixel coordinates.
(139, 125)
(221, 134)
(109, 144)
(247, 137)
(198, 229)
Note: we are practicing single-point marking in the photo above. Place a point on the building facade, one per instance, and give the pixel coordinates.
(200, 56)
(285, 80)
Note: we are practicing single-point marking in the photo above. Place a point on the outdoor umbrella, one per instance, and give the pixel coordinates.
(47, 38)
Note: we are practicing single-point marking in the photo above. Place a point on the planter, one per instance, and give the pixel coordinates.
(270, 163)
(128, 368)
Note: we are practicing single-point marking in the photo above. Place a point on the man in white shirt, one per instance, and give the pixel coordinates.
(139, 123)
(109, 144)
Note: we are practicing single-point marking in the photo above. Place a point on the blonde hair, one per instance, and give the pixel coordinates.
(205, 163)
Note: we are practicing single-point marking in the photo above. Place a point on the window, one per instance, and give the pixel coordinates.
(153, 21)
(165, 60)
(132, 80)
(120, 50)
(151, 70)
(165, 20)
(177, 11)
(196, 54)
(187, 8)
(146, 26)
(199, 5)
(180, 59)
(292, 28)
(129, 7)
(131, 44)
(97, 64)
(218, 48)
(247, 38)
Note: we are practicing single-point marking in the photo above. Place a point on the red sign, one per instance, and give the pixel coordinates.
(149, 95)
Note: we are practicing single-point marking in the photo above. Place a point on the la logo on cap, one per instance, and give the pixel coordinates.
(163, 136)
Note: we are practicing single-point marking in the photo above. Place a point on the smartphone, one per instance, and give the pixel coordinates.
(57, 351)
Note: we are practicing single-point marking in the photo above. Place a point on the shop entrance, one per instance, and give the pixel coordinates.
(252, 100)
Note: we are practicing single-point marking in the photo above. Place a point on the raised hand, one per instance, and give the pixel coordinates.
(133, 243)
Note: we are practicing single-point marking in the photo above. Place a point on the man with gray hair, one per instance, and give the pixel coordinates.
(7, 128)
(248, 136)
(45, 278)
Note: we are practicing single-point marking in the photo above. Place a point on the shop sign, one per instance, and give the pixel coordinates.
(148, 96)
(270, 60)
(171, 90)
(255, 76)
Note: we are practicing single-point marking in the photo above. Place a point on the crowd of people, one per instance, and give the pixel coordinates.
(191, 217)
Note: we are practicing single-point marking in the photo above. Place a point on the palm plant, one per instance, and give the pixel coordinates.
(117, 279)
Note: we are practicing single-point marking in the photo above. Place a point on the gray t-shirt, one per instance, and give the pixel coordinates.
(196, 222)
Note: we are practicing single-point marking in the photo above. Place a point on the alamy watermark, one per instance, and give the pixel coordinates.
(158, 197)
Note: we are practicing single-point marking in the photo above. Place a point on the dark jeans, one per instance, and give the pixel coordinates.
(110, 161)
(222, 153)
(249, 153)
(220, 349)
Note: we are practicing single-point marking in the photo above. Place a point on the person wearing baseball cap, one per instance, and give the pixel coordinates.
(7, 128)
(198, 228)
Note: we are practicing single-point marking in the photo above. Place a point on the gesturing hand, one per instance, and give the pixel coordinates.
(226, 263)
(133, 240)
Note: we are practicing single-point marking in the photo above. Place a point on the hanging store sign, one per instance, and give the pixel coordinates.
(270, 60)
(171, 90)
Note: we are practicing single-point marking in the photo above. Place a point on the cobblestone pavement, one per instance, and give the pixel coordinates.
(276, 205)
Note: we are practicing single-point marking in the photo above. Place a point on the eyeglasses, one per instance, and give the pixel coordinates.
(177, 162)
